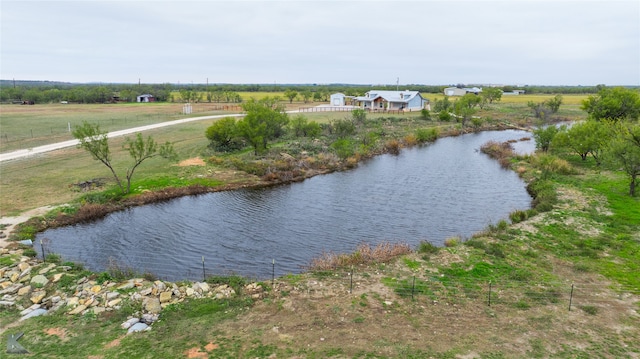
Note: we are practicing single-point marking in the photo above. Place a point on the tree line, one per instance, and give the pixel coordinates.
(51, 92)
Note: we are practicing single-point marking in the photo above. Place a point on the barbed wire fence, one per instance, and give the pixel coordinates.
(428, 288)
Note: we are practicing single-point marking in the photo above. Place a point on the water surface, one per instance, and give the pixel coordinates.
(431, 193)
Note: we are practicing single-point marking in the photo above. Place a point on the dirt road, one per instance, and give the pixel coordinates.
(7, 156)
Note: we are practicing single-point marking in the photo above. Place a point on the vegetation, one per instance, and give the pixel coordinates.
(513, 281)
(96, 142)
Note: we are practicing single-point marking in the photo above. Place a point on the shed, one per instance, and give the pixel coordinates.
(146, 98)
(337, 99)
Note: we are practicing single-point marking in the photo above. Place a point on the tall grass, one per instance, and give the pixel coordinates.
(364, 254)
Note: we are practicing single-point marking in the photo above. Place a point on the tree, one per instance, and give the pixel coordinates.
(464, 107)
(491, 94)
(291, 95)
(302, 127)
(95, 141)
(554, 103)
(265, 120)
(223, 134)
(543, 136)
(584, 138)
(613, 104)
(624, 150)
(306, 95)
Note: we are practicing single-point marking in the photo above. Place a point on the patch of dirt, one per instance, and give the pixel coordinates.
(196, 352)
(196, 161)
(113, 343)
(59, 332)
(11, 222)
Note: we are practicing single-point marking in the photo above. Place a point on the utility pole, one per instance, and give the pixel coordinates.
(397, 83)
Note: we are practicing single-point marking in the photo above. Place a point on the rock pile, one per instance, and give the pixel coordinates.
(48, 288)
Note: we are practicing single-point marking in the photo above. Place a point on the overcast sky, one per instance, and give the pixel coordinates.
(518, 42)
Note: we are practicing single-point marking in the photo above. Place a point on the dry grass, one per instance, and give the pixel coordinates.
(502, 152)
(364, 254)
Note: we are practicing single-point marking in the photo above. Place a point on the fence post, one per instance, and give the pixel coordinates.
(413, 287)
(204, 275)
(44, 258)
(273, 272)
(571, 297)
(489, 293)
(351, 281)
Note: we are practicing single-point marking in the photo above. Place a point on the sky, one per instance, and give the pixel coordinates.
(508, 42)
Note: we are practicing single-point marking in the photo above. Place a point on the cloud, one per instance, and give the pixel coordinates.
(430, 42)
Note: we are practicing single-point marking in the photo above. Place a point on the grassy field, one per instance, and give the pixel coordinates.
(49, 178)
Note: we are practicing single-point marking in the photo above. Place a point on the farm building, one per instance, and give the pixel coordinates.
(146, 98)
(457, 91)
(338, 99)
(390, 100)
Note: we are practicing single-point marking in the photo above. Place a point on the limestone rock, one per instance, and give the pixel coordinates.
(34, 313)
(24, 290)
(36, 297)
(152, 305)
(39, 280)
(129, 323)
(165, 297)
(79, 309)
(138, 327)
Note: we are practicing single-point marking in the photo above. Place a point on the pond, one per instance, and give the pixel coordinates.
(428, 193)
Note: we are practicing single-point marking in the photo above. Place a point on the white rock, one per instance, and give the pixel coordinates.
(34, 313)
(129, 323)
(138, 327)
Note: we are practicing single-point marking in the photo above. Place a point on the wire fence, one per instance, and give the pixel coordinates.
(349, 109)
(428, 288)
(589, 297)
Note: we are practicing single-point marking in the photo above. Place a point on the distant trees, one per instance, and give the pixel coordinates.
(95, 141)
(491, 94)
(291, 95)
(543, 109)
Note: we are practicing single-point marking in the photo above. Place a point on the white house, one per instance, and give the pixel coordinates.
(338, 99)
(390, 100)
(457, 91)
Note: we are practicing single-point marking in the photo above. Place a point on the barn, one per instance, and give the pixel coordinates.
(146, 98)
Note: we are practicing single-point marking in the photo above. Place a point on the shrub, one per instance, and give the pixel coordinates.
(518, 216)
(343, 147)
(343, 128)
(452, 242)
(424, 135)
(410, 139)
(364, 254)
(444, 116)
(392, 146)
(425, 115)
(427, 248)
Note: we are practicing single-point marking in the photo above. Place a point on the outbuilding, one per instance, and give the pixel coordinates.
(146, 98)
(338, 99)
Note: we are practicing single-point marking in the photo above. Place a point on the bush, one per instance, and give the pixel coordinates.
(425, 115)
(343, 147)
(392, 146)
(343, 128)
(452, 242)
(444, 116)
(427, 248)
(424, 135)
